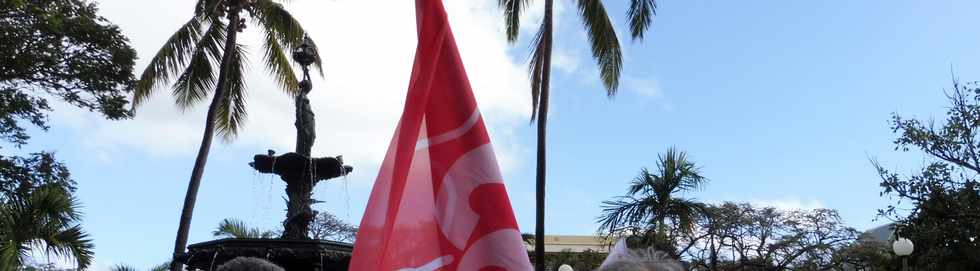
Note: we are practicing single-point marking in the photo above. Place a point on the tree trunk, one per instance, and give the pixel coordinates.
(542, 129)
(202, 153)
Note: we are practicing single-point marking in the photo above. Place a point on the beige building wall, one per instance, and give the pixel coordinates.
(573, 243)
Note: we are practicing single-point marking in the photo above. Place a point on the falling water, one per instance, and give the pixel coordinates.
(272, 180)
(211, 267)
(321, 260)
(255, 195)
(347, 196)
(346, 190)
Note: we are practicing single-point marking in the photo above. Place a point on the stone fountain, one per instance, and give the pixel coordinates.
(294, 250)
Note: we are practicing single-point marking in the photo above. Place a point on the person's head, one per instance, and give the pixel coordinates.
(249, 264)
(622, 258)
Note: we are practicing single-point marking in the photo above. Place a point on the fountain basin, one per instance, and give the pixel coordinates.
(317, 255)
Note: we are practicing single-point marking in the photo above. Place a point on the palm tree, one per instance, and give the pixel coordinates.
(208, 42)
(47, 218)
(650, 207)
(234, 228)
(161, 267)
(605, 50)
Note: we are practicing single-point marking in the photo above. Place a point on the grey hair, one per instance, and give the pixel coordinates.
(249, 264)
(647, 259)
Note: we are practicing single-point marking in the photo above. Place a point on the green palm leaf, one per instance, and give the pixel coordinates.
(512, 16)
(277, 63)
(198, 79)
(537, 70)
(605, 44)
(279, 23)
(122, 268)
(640, 15)
(168, 60)
(46, 218)
(231, 113)
(237, 229)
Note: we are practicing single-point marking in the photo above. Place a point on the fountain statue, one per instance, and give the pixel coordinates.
(301, 172)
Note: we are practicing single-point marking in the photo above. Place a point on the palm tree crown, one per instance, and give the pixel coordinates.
(650, 203)
(193, 54)
(46, 218)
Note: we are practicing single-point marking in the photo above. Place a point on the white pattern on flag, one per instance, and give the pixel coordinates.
(426, 142)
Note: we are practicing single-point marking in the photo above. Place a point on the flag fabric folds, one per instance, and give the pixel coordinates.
(439, 201)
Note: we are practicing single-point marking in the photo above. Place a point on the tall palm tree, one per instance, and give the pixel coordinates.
(209, 42)
(235, 228)
(47, 218)
(650, 207)
(605, 50)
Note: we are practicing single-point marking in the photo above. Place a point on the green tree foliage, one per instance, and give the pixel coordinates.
(651, 210)
(738, 236)
(939, 208)
(326, 226)
(51, 49)
(866, 254)
(234, 228)
(44, 217)
(121, 267)
(64, 49)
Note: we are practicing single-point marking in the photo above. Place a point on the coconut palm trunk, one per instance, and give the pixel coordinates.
(202, 153)
(541, 172)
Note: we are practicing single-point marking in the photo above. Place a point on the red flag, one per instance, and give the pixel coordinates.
(439, 202)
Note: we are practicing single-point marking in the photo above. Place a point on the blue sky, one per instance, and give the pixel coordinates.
(782, 103)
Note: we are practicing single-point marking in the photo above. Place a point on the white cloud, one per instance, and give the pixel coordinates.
(647, 87)
(367, 63)
(565, 61)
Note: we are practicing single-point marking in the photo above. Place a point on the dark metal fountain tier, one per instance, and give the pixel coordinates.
(289, 254)
(301, 172)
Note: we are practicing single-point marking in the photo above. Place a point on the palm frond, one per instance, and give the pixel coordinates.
(642, 183)
(74, 242)
(232, 112)
(168, 60)
(641, 14)
(624, 213)
(122, 268)
(198, 79)
(237, 229)
(277, 64)
(161, 267)
(43, 219)
(52, 205)
(207, 7)
(231, 228)
(274, 18)
(605, 44)
(686, 211)
(12, 247)
(536, 71)
(512, 16)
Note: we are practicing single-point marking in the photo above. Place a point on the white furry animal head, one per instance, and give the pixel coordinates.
(622, 258)
(249, 264)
